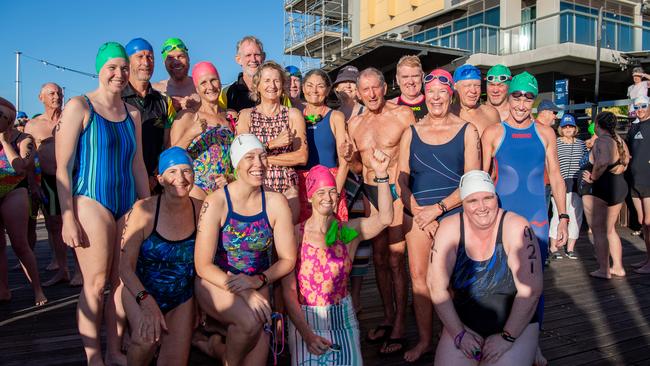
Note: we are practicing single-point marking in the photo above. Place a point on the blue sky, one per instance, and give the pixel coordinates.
(69, 32)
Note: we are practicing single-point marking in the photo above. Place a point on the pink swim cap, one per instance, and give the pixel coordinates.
(317, 178)
(202, 68)
(442, 76)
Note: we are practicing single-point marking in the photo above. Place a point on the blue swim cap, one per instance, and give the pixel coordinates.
(467, 72)
(173, 156)
(293, 71)
(21, 114)
(136, 45)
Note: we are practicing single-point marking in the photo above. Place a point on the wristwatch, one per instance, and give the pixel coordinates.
(564, 216)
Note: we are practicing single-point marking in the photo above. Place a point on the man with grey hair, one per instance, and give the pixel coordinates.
(250, 55)
(42, 129)
(638, 89)
(380, 126)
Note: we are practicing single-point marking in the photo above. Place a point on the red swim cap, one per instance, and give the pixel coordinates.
(203, 68)
(317, 178)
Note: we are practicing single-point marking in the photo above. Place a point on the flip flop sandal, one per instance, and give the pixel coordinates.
(379, 340)
(391, 342)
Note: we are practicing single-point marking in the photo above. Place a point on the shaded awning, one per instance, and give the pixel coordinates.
(383, 54)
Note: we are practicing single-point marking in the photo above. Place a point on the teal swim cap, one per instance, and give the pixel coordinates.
(107, 51)
(524, 82)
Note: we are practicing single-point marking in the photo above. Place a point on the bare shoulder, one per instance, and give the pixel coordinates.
(160, 86)
(490, 111)
(492, 132)
(295, 113)
(142, 209)
(547, 133)
(394, 100)
(133, 111)
(275, 198)
(449, 230)
(337, 116)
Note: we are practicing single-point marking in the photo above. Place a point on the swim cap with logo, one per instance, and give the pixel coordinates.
(524, 82)
(475, 181)
(318, 177)
(241, 145)
(108, 51)
(173, 44)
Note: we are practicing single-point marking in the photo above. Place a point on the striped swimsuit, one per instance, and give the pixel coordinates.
(104, 162)
(278, 178)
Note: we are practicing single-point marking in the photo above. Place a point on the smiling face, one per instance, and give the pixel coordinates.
(7, 116)
(469, 92)
(409, 79)
(208, 86)
(177, 64)
(481, 209)
(520, 107)
(497, 93)
(249, 57)
(371, 91)
(438, 98)
(252, 167)
(346, 89)
(51, 96)
(270, 84)
(643, 113)
(141, 65)
(114, 75)
(325, 200)
(177, 180)
(315, 89)
(294, 87)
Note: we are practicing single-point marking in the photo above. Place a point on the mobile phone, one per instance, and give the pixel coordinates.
(335, 347)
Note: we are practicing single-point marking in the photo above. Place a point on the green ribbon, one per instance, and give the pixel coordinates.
(333, 234)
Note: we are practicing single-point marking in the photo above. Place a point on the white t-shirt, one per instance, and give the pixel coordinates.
(638, 90)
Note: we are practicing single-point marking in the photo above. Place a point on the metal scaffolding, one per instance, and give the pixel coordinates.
(315, 31)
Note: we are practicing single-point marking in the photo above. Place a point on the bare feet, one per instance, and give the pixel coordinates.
(60, 276)
(212, 346)
(115, 360)
(644, 269)
(540, 360)
(640, 264)
(418, 351)
(600, 274)
(77, 280)
(53, 266)
(40, 299)
(618, 272)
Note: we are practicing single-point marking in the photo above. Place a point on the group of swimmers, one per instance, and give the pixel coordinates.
(226, 207)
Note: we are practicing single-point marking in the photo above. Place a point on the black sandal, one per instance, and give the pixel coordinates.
(379, 340)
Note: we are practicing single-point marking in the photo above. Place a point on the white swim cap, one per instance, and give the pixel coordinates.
(475, 181)
(241, 145)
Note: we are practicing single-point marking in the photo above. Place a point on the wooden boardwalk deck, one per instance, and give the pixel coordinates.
(587, 321)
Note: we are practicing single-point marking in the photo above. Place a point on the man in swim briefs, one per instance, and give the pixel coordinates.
(467, 80)
(380, 126)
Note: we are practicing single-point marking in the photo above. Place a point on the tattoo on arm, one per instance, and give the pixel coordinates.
(126, 225)
(531, 247)
(58, 126)
(204, 208)
(433, 252)
(478, 144)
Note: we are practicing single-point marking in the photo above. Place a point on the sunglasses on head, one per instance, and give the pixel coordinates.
(443, 79)
(519, 94)
(498, 78)
(640, 106)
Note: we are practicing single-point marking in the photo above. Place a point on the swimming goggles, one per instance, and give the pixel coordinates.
(640, 106)
(441, 78)
(173, 47)
(498, 78)
(519, 94)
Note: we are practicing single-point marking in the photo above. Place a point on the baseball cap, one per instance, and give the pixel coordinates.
(568, 120)
(347, 73)
(547, 105)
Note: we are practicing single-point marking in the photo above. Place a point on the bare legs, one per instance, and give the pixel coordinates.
(602, 220)
(54, 225)
(15, 215)
(419, 245)
(642, 206)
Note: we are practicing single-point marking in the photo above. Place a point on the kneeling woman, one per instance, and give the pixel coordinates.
(485, 279)
(324, 328)
(238, 227)
(157, 265)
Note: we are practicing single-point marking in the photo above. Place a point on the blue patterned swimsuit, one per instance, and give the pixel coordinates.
(245, 242)
(166, 267)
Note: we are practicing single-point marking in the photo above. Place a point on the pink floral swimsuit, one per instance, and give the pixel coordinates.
(323, 273)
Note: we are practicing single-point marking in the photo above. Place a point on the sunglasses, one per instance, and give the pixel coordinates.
(640, 106)
(519, 94)
(498, 78)
(443, 79)
(313, 118)
(173, 47)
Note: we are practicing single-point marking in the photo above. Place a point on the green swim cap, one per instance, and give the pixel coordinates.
(173, 44)
(592, 128)
(524, 82)
(107, 51)
(499, 70)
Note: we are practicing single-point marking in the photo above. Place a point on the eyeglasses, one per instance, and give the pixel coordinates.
(519, 94)
(443, 79)
(498, 78)
(173, 47)
(640, 106)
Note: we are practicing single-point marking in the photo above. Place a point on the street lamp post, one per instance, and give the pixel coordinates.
(599, 34)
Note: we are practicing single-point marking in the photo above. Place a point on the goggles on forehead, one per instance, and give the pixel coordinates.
(498, 78)
(640, 106)
(519, 94)
(173, 47)
(443, 79)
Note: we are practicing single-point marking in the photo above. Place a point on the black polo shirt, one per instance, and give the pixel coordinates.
(157, 114)
(237, 95)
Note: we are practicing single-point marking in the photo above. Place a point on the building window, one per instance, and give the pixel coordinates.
(579, 25)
